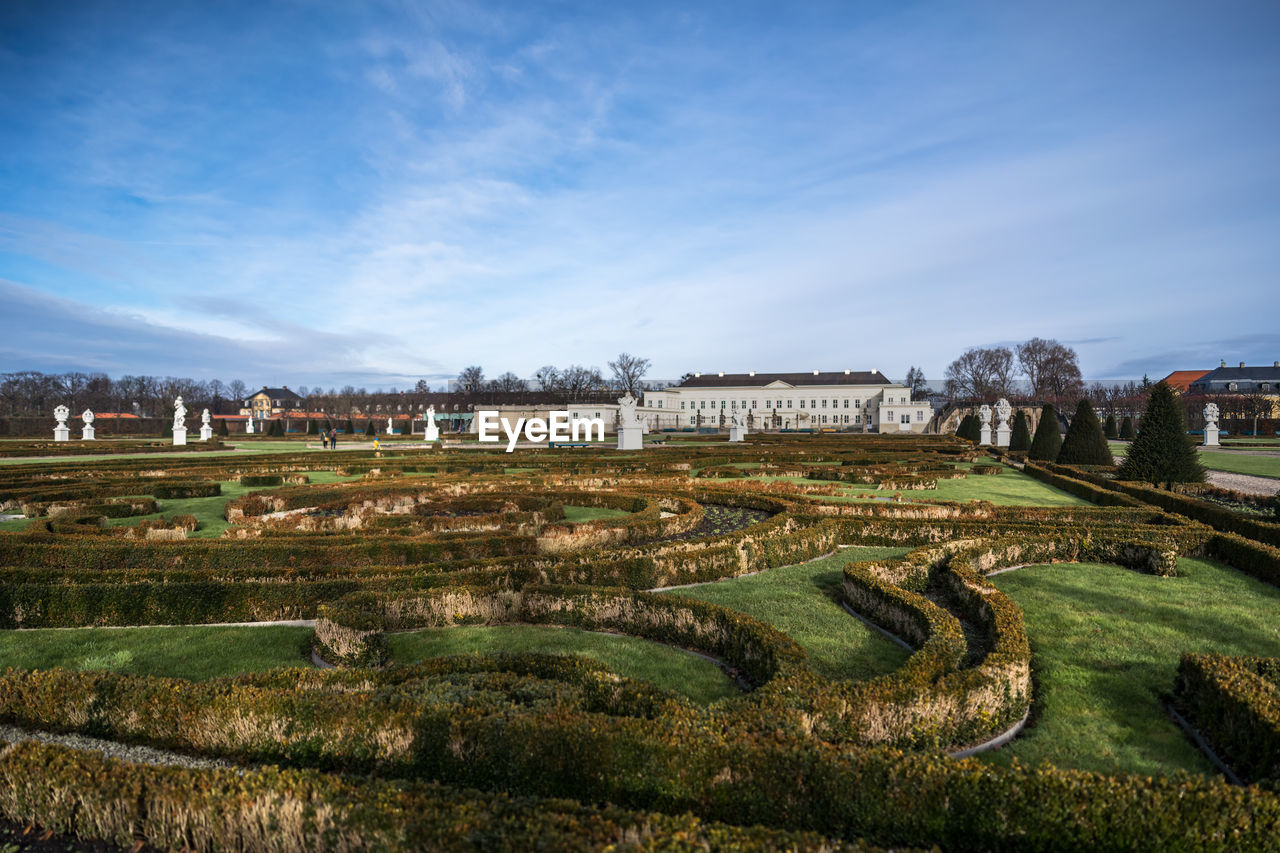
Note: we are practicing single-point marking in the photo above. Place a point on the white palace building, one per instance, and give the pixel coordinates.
(857, 400)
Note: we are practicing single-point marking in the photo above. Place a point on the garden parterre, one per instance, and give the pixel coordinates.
(421, 540)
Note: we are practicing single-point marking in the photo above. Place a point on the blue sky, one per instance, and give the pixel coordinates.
(374, 192)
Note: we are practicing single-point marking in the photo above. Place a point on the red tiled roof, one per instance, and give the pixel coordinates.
(1180, 380)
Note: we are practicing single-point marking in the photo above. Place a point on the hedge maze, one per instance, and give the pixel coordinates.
(508, 750)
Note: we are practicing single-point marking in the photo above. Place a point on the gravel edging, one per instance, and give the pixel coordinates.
(1249, 484)
(111, 749)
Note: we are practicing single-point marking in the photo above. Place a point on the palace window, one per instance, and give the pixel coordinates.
(824, 403)
(857, 419)
(802, 404)
(919, 416)
(846, 402)
(906, 418)
(857, 404)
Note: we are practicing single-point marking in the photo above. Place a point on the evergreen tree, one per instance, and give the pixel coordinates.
(1085, 444)
(369, 430)
(313, 427)
(1162, 452)
(350, 428)
(970, 428)
(1020, 438)
(277, 429)
(1110, 429)
(326, 426)
(222, 427)
(1126, 428)
(1047, 441)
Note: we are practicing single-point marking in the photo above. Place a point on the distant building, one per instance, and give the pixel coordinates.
(1180, 380)
(1239, 380)
(271, 401)
(856, 400)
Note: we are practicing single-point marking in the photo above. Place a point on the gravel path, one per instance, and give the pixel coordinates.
(1246, 483)
(111, 749)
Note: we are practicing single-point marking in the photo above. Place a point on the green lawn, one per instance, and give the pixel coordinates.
(194, 652)
(575, 514)
(1106, 642)
(799, 600)
(675, 669)
(1241, 463)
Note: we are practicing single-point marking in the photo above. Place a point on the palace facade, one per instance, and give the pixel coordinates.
(856, 400)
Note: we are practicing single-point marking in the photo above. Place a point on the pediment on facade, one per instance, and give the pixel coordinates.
(778, 384)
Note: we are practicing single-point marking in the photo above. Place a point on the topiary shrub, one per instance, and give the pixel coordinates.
(1109, 430)
(349, 428)
(1126, 429)
(276, 429)
(313, 427)
(326, 426)
(1162, 452)
(1085, 444)
(1047, 441)
(970, 428)
(369, 430)
(221, 429)
(1020, 439)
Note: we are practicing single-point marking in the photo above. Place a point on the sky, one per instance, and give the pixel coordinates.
(373, 193)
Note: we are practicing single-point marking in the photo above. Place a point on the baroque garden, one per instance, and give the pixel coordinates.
(790, 641)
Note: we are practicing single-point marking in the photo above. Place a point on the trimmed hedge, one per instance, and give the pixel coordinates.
(179, 491)
(1235, 702)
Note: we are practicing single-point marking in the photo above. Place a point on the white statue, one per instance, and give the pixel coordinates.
(431, 432)
(86, 433)
(1211, 425)
(62, 432)
(737, 425)
(206, 431)
(248, 425)
(179, 421)
(388, 425)
(630, 430)
(984, 415)
(1003, 410)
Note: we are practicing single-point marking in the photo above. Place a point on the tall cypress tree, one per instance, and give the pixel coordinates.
(222, 427)
(1110, 429)
(1047, 441)
(1020, 437)
(1126, 428)
(350, 428)
(1085, 444)
(1162, 452)
(368, 428)
(313, 426)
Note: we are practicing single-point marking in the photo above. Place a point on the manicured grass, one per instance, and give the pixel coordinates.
(1010, 487)
(575, 514)
(675, 669)
(194, 652)
(1241, 463)
(799, 600)
(1106, 643)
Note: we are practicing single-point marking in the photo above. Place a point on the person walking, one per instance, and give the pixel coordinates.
(324, 439)
(333, 438)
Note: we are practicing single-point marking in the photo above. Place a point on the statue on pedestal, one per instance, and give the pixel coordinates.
(1003, 411)
(430, 430)
(630, 430)
(86, 433)
(984, 415)
(179, 421)
(206, 431)
(1211, 425)
(62, 432)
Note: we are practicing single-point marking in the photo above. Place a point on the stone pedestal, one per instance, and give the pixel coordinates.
(737, 433)
(1211, 436)
(206, 432)
(1002, 435)
(630, 438)
(179, 435)
(86, 433)
(62, 432)
(986, 434)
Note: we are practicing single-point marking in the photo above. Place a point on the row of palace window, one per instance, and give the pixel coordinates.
(768, 404)
(834, 419)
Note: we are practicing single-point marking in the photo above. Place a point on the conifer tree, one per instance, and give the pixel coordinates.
(1084, 443)
(222, 427)
(313, 427)
(350, 428)
(970, 428)
(368, 429)
(1020, 438)
(1162, 453)
(277, 429)
(1110, 429)
(1126, 428)
(1047, 441)
(326, 426)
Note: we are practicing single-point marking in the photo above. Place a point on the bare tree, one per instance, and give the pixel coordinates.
(916, 383)
(548, 377)
(471, 378)
(577, 382)
(627, 372)
(1052, 369)
(509, 382)
(981, 373)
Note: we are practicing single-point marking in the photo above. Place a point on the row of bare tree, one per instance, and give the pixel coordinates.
(27, 393)
(1051, 371)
